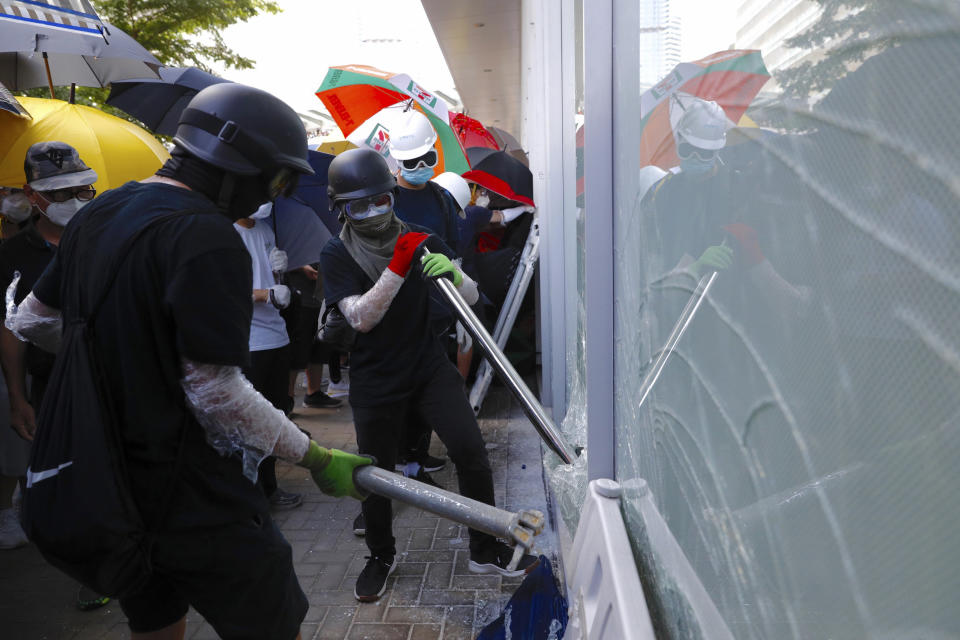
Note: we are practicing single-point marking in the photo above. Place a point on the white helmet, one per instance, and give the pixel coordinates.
(704, 125)
(411, 135)
(456, 186)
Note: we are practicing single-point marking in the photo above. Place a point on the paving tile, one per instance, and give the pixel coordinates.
(446, 597)
(406, 591)
(372, 611)
(426, 632)
(420, 539)
(315, 614)
(331, 576)
(438, 575)
(379, 632)
(458, 625)
(476, 581)
(336, 623)
(416, 614)
(332, 597)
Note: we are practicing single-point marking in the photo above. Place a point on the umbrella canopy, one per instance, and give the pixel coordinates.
(472, 133)
(28, 49)
(364, 101)
(731, 78)
(158, 102)
(311, 191)
(117, 150)
(336, 147)
(501, 173)
(9, 103)
(299, 231)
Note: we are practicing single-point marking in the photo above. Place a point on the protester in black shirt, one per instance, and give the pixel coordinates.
(397, 366)
(172, 334)
(56, 177)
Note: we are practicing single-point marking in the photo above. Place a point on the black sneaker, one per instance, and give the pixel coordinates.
(359, 525)
(495, 558)
(373, 579)
(320, 400)
(430, 463)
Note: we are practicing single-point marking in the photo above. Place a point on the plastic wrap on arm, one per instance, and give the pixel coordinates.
(236, 417)
(31, 320)
(366, 311)
(468, 289)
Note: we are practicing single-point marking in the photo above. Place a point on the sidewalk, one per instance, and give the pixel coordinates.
(430, 596)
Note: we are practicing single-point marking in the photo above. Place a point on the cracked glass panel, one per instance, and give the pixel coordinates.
(787, 245)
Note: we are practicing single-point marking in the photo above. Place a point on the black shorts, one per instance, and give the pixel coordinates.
(302, 329)
(239, 577)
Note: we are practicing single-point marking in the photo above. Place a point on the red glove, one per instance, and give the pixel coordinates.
(746, 239)
(403, 252)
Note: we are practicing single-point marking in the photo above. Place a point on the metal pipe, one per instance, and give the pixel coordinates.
(520, 527)
(686, 316)
(541, 421)
(508, 314)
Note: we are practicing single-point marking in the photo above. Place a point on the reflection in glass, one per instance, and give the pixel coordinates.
(801, 437)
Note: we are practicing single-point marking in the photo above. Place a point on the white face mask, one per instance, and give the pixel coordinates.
(60, 213)
(483, 200)
(16, 207)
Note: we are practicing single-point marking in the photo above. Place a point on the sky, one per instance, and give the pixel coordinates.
(293, 49)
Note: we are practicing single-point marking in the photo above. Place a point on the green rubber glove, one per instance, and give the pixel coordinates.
(715, 258)
(332, 470)
(437, 265)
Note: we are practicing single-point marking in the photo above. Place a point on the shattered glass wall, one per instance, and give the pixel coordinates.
(569, 482)
(788, 328)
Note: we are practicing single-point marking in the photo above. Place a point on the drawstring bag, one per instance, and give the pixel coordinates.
(77, 506)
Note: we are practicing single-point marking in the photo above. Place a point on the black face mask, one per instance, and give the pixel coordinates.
(236, 196)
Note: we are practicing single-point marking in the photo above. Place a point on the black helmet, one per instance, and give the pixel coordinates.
(358, 173)
(243, 130)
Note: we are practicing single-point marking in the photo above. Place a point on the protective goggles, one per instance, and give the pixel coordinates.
(283, 184)
(429, 159)
(685, 150)
(362, 208)
(83, 194)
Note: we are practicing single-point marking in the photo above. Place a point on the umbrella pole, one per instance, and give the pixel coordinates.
(46, 64)
(73, 92)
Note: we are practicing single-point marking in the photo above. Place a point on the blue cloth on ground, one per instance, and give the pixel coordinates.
(536, 611)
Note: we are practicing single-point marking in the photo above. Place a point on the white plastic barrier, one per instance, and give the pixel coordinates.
(606, 599)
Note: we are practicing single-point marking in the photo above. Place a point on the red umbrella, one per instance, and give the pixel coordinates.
(471, 132)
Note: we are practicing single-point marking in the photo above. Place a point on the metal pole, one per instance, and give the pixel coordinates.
(521, 528)
(46, 65)
(686, 316)
(508, 314)
(541, 421)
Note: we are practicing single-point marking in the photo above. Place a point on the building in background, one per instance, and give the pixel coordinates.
(767, 24)
(660, 39)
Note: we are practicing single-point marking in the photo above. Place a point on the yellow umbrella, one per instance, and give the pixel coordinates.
(336, 147)
(119, 151)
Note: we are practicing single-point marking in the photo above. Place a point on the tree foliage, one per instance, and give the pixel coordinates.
(178, 32)
(185, 32)
(850, 31)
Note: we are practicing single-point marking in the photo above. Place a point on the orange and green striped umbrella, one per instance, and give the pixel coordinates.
(364, 100)
(730, 78)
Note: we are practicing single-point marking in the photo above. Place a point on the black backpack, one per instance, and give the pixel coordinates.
(78, 508)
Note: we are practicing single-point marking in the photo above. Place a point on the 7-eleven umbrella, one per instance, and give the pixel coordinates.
(119, 151)
(364, 101)
(730, 78)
